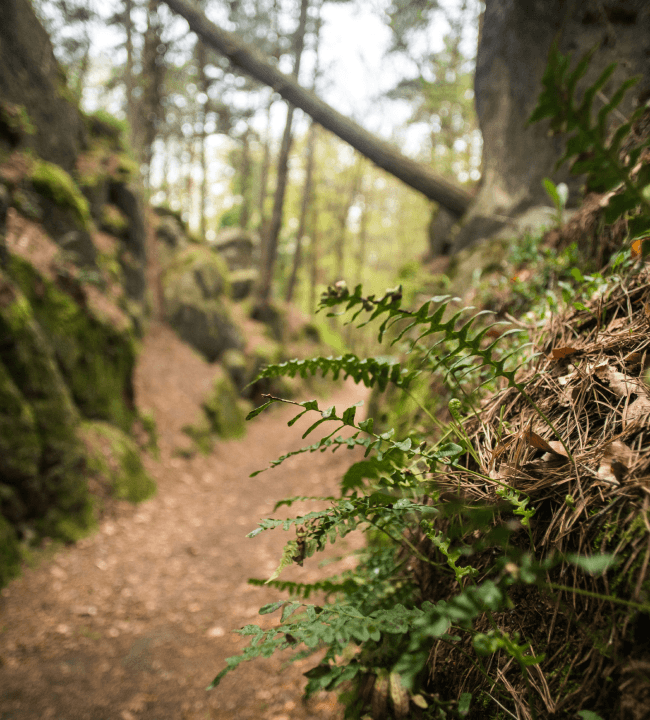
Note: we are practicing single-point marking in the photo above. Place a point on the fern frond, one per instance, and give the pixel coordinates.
(369, 371)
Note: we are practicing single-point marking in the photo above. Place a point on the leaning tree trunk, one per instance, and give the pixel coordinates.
(417, 175)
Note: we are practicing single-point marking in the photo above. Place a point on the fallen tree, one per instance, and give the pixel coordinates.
(417, 175)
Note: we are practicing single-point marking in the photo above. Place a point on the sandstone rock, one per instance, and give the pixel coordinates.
(31, 77)
(515, 39)
(114, 460)
(242, 283)
(194, 286)
(238, 247)
(57, 495)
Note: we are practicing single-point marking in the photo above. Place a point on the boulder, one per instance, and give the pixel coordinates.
(194, 289)
(238, 247)
(242, 283)
(95, 358)
(514, 43)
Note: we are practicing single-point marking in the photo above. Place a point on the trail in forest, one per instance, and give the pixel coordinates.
(133, 622)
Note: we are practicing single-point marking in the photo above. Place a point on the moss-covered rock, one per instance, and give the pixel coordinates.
(114, 458)
(95, 358)
(20, 445)
(236, 364)
(55, 499)
(57, 185)
(224, 408)
(9, 552)
(113, 220)
(224, 414)
(242, 283)
(193, 286)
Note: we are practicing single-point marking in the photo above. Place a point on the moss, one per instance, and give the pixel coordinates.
(103, 125)
(26, 205)
(114, 457)
(224, 415)
(20, 446)
(223, 409)
(56, 184)
(15, 120)
(113, 220)
(9, 552)
(96, 359)
(55, 498)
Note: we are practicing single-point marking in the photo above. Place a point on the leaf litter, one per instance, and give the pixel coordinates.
(591, 381)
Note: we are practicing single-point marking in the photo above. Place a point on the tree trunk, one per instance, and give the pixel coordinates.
(264, 171)
(415, 174)
(342, 218)
(244, 216)
(304, 207)
(363, 236)
(315, 246)
(128, 80)
(270, 247)
(204, 83)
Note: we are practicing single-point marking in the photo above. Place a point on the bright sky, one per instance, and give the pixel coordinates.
(352, 55)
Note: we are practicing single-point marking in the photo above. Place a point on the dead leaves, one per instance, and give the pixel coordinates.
(617, 459)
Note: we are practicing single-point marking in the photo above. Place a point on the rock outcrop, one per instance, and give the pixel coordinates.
(195, 288)
(71, 300)
(515, 39)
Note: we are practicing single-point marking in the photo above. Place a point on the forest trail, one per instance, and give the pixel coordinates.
(133, 622)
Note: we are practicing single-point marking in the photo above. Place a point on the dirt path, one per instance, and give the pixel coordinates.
(134, 622)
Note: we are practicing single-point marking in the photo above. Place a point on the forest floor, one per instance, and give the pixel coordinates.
(134, 621)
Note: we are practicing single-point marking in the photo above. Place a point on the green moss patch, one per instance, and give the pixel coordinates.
(9, 552)
(115, 459)
(43, 461)
(96, 359)
(55, 183)
(113, 220)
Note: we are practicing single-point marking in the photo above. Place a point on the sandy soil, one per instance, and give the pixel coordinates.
(133, 622)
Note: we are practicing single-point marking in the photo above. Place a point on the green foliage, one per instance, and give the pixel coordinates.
(55, 183)
(372, 623)
(608, 164)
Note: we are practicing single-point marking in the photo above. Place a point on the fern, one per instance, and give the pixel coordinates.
(370, 371)
(590, 147)
(374, 606)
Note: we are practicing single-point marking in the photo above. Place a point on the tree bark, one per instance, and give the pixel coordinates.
(244, 216)
(415, 174)
(304, 207)
(270, 247)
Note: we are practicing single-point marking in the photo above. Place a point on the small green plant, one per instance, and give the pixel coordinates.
(559, 194)
(592, 148)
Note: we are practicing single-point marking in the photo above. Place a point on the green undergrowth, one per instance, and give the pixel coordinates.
(450, 587)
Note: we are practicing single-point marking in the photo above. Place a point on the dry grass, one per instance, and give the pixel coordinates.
(590, 381)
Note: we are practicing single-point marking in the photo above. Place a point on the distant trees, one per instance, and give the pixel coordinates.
(210, 143)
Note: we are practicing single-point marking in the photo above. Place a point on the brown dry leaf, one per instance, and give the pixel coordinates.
(556, 448)
(617, 458)
(620, 383)
(536, 441)
(563, 352)
(638, 409)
